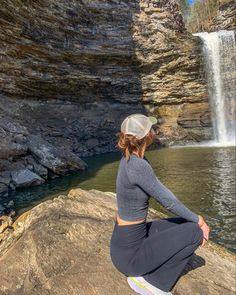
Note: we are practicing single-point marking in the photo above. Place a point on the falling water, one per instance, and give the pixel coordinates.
(220, 60)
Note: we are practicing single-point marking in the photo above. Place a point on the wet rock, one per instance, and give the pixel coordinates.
(1, 210)
(23, 178)
(4, 180)
(3, 189)
(10, 204)
(57, 159)
(36, 167)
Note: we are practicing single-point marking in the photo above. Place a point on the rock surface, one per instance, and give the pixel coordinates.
(70, 72)
(27, 157)
(62, 247)
(226, 17)
(171, 70)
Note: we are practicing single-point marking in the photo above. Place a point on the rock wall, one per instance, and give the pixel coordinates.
(226, 17)
(62, 246)
(68, 75)
(72, 50)
(171, 71)
(70, 72)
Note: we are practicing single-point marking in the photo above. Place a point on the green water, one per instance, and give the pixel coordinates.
(203, 178)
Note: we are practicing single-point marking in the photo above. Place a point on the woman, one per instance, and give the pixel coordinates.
(151, 254)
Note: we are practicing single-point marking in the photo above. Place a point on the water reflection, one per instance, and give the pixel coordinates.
(224, 197)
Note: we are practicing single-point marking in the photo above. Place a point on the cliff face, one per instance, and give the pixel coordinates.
(173, 83)
(68, 75)
(71, 50)
(226, 17)
(70, 72)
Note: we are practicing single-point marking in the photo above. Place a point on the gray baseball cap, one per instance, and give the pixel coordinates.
(138, 125)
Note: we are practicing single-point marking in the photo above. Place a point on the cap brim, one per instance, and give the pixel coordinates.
(152, 119)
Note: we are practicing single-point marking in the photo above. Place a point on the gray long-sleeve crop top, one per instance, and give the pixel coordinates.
(136, 182)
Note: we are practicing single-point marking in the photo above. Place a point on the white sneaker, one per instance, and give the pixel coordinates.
(141, 286)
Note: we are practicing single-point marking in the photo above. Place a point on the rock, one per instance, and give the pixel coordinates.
(10, 149)
(62, 246)
(225, 18)
(23, 178)
(4, 180)
(20, 138)
(89, 57)
(3, 189)
(2, 209)
(185, 123)
(171, 67)
(36, 167)
(5, 221)
(12, 186)
(149, 58)
(13, 127)
(194, 116)
(59, 160)
(10, 204)
(91, 143)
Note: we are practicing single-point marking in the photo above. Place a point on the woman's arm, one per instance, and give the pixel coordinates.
(141, 173)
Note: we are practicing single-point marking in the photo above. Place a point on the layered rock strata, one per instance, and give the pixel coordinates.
(70, 72)
(226, 17)
(172, 73)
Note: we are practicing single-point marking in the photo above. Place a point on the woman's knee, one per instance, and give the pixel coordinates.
(197, 234)
(194, 232)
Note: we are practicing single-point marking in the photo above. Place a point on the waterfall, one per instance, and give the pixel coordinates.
(219, 52)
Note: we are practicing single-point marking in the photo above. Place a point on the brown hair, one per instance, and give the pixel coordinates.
(128, 143)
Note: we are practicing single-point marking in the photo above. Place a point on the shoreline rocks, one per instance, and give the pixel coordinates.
(61, 247)
(26, 158)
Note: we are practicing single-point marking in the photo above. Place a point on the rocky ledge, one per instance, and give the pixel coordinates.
(62, 247)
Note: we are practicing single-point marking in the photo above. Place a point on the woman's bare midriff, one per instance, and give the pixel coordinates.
(126, 222)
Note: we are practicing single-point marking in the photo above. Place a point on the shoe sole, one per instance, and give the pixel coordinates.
(138, 287)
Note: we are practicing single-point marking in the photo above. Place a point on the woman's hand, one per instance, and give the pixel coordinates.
(205, 228)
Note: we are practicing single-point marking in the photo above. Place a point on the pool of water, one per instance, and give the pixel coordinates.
(203, 178)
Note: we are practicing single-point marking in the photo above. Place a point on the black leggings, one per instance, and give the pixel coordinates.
(157, 250)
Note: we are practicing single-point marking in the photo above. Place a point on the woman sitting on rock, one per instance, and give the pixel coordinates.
(151, 254)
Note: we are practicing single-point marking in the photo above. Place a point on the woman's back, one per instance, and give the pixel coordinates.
(132, 201)
(136, 183)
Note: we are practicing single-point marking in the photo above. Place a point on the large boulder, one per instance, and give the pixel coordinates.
(62, 247)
